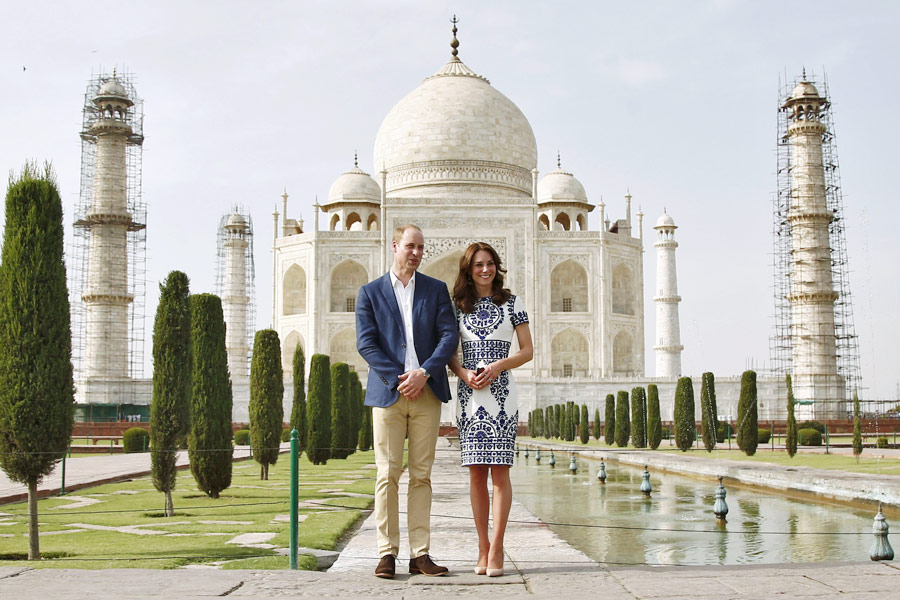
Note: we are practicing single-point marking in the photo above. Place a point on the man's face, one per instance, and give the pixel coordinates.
(408, 251)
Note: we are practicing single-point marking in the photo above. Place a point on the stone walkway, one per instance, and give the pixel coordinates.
(538, 564)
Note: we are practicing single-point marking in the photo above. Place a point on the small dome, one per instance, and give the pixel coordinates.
(560, 186)
(665, 221)
(804, 89)
(354, 186)
(112, 87)
(236, 221)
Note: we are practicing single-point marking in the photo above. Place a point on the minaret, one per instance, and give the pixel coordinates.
(668, 331)
(236, 233)
(105, 294)
(812, 293)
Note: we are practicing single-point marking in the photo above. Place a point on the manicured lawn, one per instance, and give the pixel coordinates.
(868, 462)
(121, 524)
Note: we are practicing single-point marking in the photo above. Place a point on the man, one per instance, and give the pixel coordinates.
(406, 331)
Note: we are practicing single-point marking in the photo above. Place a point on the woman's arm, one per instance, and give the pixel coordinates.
(467, 375)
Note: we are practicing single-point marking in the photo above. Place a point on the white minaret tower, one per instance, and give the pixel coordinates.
(235, 283)
(812, 294)
(106, 296)
(668, 331)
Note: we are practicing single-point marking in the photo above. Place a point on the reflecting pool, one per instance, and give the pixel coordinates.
(676, 525)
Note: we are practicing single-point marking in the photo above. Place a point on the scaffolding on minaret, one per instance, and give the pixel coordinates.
(846, 342)
(235, 284)
(111, 215)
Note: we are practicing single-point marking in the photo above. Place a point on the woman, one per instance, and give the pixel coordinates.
(488, 315)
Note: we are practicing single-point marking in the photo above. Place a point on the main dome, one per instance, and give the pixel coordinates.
(455, 128)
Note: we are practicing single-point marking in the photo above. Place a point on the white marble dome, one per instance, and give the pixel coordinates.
(804, 89)
(665, 221)
(112, 88)
(456, 128)
(354, 186)
(560, 186)
(236, 221)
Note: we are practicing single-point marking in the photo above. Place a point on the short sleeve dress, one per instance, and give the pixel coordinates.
(488, 418)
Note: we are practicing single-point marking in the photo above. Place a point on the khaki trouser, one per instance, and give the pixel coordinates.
(419, 420)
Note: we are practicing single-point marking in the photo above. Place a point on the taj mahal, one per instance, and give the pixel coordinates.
(460, 160)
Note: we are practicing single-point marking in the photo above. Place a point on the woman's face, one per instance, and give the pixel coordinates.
(483, 268)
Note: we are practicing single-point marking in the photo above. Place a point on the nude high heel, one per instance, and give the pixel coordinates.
(494, 572)
(480, 570)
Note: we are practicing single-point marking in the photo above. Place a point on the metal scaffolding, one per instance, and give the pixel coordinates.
(785, 267)
(89, 219)
(235, 283)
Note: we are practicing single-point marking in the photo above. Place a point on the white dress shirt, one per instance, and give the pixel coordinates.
(405, 295)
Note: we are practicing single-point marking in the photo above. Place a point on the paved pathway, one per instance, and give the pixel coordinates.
(538, 564)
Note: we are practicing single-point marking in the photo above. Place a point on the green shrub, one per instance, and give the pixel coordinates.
(685, 426)
(136, 439)
(583, 433)
(318, 410)
(285, 435)
(747, 423)
(881, 442)
(623, 420)
(709, 416)
(242, 437)
(723, 431)
(809, 437)
(638, 417)
(665, 433)
(763, 435)
(596, 423)
(654, 424)
(812, 425)
(610, 421)
(790, 435)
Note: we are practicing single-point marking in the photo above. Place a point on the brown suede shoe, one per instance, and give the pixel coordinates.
(424, 565)
(386, 567)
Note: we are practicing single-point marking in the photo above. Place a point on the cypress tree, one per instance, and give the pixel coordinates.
(583, 430)
(559, 426)
(363, 438)
(654, 422)
(298, 407)
(570, 421)
(610, 421)
(170, 409)
(790, 436)
(318, 410)
(576, 415)
(266, 400)
(548, 422)
(857, 432)
(685, 425)
(209, 444)
(340, 409)
(747, 432)
(356, 407)
(709, 417)
(638, 417)
(623, 423)
(370, 426)
(37, 393)
(596, 423)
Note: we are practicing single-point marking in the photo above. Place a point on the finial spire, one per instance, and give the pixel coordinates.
(558, 160)
(114, 71)
(804, 73)
(455, 43)
(355, 161)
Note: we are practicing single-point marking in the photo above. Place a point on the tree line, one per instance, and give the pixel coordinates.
(636, 419)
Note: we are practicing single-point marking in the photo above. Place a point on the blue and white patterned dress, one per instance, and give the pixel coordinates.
(488, 418)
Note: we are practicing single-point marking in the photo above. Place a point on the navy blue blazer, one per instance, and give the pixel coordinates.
(381, 340)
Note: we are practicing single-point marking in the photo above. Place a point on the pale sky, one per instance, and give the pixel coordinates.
(675, 101)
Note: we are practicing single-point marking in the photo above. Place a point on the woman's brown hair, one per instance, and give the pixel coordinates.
(464, 294)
